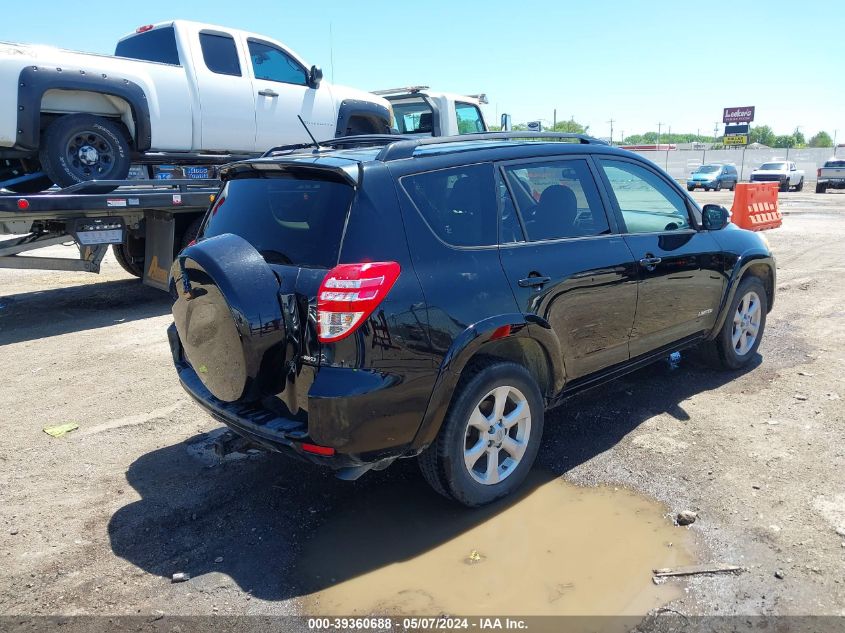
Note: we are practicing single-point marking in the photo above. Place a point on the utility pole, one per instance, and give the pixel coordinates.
(554, 119)
(612, 121)
(622, 140)
(715, 131)
(659, 126)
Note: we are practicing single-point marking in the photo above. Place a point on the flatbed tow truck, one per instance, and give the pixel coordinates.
(146, 222)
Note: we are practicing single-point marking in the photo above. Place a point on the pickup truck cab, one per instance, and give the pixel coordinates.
(172, 89)
(783, 172)
(418, 110)
(831, 176)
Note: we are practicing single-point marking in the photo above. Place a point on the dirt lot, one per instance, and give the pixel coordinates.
(98, 521)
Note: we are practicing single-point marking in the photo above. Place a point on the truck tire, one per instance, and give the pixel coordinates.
(784, 186)
(126, 261)
(800, 185)
(820, 188)
(80, 147)
(455, 469)
(191, 233)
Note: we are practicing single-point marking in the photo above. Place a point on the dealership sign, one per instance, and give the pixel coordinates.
(736, 129)
(744, 114)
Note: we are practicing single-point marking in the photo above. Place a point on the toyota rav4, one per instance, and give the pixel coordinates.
(432, 297)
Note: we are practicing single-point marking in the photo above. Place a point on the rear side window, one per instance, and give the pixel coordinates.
(459, 204)
(157, 45)
(288, 220)
(220, 54)
(557, 199)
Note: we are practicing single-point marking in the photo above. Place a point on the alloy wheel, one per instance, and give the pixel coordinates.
(746, 324)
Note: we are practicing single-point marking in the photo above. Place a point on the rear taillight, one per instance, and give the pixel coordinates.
(349, 294)
(819, 172)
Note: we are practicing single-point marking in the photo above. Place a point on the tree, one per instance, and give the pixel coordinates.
(571, 127)
(822, 139)
(762, 134)
(785, 140)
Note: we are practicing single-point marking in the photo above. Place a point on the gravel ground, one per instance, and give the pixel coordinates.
(97, 521)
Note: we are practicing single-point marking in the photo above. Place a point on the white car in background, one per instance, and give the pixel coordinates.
(783, 172)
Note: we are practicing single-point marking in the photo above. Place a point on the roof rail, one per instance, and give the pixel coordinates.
(405, 148)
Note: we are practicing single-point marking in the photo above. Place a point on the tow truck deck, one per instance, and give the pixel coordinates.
(146, 222)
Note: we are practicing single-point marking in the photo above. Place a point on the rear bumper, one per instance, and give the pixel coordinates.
(343, 419)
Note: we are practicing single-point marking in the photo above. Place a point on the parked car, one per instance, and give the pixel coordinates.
(418, 110)
(172, 88)
(785, 173)
(713, 177)
(431, 297)
(831, 176)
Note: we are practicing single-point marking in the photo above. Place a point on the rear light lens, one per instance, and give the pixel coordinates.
(348, 296)
(318, 450)
(144, 29)
(819, 172)
(23, 204)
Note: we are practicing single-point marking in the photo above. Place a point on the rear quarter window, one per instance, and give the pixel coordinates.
(157, 45)
(289, 220)
(458, 204)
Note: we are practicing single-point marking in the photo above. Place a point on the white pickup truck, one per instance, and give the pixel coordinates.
(831, 175)
(173, 90)
(783, 172)
(418, 110)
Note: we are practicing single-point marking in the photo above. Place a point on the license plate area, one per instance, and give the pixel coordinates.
(94, 231)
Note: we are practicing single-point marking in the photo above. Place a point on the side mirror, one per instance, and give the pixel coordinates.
(315, 76)
(714, 217)
(506, 123)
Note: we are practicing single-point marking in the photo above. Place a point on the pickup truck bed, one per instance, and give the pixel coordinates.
(831, 176)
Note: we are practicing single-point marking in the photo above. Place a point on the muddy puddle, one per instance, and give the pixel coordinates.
(557, 549)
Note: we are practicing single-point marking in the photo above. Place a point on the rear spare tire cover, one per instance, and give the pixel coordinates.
(226, 311)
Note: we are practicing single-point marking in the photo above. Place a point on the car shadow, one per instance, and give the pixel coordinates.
(250, 519)
(41, 314)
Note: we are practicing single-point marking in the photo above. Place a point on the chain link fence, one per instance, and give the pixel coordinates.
(681, 162)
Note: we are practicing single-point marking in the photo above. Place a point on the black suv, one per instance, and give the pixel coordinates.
(431, 297)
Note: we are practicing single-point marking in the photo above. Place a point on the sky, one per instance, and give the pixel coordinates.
(637, 62)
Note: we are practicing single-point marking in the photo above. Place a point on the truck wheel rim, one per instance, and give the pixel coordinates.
(90, 154)
(497, 435)
(746, 325)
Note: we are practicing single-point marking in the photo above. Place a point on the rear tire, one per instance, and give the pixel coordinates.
(733, 186)
(690, 188)
(740, 336)
(501, 396)
(80, 147)
(821, 189)
(126, 261)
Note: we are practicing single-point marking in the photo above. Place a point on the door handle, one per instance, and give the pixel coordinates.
(649, 262)
(534, 281)
(268, 92)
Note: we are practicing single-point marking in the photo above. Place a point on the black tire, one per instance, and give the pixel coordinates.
(443, 463)
(191, 232)
(721, 352)
(784, 186)
(800, 185)
(718, 186)
(733, 186)
(80, 147)
(690, 188)
(821, 189)
(126, 261)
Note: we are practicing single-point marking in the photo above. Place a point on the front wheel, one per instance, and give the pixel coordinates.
(740, 336)
(800, 185)
(784, 186)
(490, 437)
(81, 147)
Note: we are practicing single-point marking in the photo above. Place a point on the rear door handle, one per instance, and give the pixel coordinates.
(268, 92)
(534, 281)
(650, 262)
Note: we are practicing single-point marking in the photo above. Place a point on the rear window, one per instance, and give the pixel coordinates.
(289, 220)
(220, 54)
(459, 204)
(835, 163)
(157, 45)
